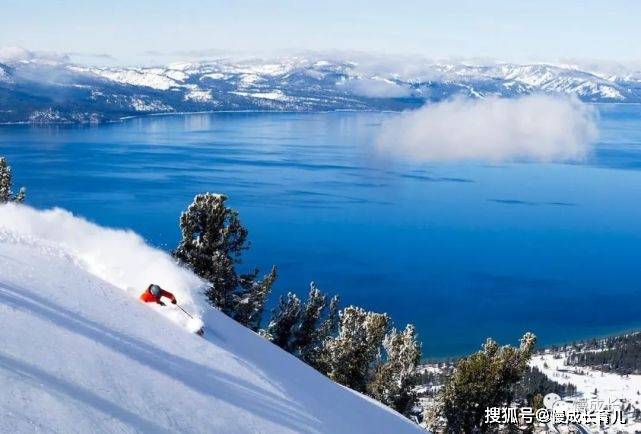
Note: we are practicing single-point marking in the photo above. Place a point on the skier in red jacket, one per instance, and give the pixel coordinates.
(153, 293)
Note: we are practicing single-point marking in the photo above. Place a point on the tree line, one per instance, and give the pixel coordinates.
(352, 346)
(535, 382)
(620, 354)
(357, 348)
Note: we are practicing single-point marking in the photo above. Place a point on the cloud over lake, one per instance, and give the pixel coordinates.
(376, 88)
(531, 128)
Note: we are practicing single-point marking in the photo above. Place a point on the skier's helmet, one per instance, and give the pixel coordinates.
(155, 290)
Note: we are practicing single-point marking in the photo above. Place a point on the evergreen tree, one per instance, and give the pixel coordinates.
(330, 325)
(620, 354)
(534, 382)
(484, 379)
(249, 310)
(213, 239)
(6, 184)
(394, 380)
(350, 355)
(307, 331)
(301, 328)
(281, 328)
(317, 357)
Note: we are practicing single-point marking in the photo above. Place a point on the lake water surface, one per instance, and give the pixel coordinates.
(464, 251)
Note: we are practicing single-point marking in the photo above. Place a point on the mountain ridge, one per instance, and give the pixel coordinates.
(48, 91)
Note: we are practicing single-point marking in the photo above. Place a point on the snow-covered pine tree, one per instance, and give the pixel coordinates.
(6, 184)
(317, 357)
(484, 379)
(330, 325)
(249, 311)
(213, 239)
(302, 328)
(5, 181)
(306, 333)
(281, 327)
(351, 354)
(395, 378)
(21, 196)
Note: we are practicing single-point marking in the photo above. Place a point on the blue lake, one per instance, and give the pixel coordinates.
(464, 251)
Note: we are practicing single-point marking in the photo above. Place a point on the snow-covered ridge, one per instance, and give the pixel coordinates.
(153, 77)
(287, 83)
(551, 78)
(80, 353)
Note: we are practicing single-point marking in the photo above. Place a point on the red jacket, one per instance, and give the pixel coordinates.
(148, 297)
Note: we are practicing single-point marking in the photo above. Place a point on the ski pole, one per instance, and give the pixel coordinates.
(187, 313)
(200, 331)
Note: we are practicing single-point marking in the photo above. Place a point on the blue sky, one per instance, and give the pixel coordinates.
(146, 30)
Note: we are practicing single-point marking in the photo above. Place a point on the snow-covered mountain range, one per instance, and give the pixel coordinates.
(47, 90)
(80, 353)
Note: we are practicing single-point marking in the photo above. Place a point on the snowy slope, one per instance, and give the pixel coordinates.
(79, 353)
(609, 386)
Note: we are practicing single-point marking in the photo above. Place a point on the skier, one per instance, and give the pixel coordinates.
(153, 293)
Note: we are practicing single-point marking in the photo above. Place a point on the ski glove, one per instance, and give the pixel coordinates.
(161, 303)
(173, 302)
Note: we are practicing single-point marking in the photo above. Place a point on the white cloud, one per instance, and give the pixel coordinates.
(377, 88)
(19, 54)
(14, 54)
(533, 128)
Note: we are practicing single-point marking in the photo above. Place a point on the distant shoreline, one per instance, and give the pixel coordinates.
(144, 115)
(184, 113)
(541, 349)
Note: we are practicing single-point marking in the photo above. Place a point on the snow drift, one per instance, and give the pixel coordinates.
(535, 128)
(79, 353)
(119, 257)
